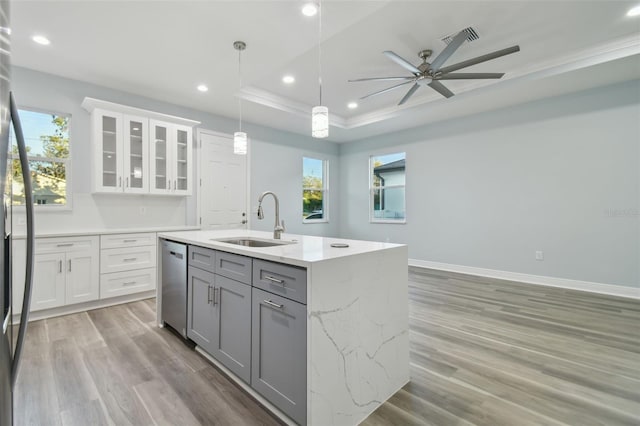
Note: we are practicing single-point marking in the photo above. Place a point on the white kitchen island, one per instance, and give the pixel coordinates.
(357, 343)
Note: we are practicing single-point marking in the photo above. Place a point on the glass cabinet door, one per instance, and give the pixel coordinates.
(181, 162)
(161, 176)
(136, 163)
(110, 178)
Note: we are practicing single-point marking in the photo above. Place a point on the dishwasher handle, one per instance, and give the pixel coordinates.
(178, 255)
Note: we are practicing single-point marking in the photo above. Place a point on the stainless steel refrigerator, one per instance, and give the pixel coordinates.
(11, 340)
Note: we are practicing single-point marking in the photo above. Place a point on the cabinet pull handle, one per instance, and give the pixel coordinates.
(129, 241)
(129, 259)
(275, 305)
(274, 280)
(119, 181)
(127, 182)
(64, 245)
(215, 293)
(59, 266)
(208, 295)
(129, 283)
(175, 185)
(69, 265)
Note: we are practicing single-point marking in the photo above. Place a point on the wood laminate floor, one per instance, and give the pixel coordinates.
(483, 352)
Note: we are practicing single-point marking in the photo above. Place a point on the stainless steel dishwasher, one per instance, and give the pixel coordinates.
(174, 286)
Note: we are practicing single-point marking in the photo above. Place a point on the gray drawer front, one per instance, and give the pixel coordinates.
(202, 258)
(284, 280)
(279, 352)
(233, 266)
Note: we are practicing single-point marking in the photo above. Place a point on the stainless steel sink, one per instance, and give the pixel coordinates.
(253, 242)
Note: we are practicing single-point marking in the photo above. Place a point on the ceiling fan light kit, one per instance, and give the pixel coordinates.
(430, 74)
(240, 138)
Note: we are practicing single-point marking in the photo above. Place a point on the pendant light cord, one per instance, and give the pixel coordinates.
(240, 88)
(320, 48)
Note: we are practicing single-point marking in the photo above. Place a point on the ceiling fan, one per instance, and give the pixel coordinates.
(430, 74)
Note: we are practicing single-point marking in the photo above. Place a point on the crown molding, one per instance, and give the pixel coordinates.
(598, 54)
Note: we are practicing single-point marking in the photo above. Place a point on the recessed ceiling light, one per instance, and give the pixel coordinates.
(634, 11)
(203, 88)
(310, 9)
(352, 105)
(288, 79)
(41, 40)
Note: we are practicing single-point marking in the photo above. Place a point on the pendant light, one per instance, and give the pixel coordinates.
(320, 113)
(240, 137)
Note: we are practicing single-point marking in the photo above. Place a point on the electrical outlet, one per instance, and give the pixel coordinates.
(143, 211)
(539, 255)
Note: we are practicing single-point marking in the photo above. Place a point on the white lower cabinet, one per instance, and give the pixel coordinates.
(65, 272)
(127, 264)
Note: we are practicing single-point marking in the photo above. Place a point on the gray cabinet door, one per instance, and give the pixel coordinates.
(279, 352)
(233, 328)
(201, 313)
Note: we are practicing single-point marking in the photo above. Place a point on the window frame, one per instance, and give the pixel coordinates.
(372, 189)
(325, 190)
(67, 206)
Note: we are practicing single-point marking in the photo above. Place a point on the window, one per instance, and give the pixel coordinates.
(387, 188)
(47, 143)
(314, 190)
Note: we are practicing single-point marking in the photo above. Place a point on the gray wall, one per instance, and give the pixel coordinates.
(42, 91)
(559, 175)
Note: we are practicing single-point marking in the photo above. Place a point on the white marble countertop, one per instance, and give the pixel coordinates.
(99, 231)
(303, 252)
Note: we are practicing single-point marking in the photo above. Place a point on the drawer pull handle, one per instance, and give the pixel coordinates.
(275, 305)
(129, 241)
(215, 293)
(64, 245)
(59, 266)
(130, 259)
(208, 295)
(274, 280)
(129, 283)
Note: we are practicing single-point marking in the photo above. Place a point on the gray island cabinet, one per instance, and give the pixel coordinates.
(318, 334)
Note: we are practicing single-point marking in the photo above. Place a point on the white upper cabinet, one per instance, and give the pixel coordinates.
(171, 158)
(139, 151)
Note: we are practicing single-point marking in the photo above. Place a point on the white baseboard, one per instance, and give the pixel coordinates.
(609, 289)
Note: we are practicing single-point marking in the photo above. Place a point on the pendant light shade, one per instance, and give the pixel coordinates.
(240, 137)
(240, 143)
(320, 113)
(320, 122)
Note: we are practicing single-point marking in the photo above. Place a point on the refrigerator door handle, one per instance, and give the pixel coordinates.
(28, 277)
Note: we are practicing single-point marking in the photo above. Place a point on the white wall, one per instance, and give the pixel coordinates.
(488, 191)
(48, 92)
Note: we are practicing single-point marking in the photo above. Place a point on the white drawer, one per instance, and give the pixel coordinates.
(127, 259)
(57, 245)
(127, 240)
(121, 283)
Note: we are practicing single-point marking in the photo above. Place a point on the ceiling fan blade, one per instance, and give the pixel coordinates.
(470, 75)
(386, 90)
(401, 61)
(440, 88)
(409, 93)
(480, 59)
(449, 50)
(380, 79)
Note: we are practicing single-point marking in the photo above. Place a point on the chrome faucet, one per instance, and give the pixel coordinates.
(279, 228)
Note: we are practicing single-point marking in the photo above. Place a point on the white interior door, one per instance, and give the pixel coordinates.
(223, 184)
